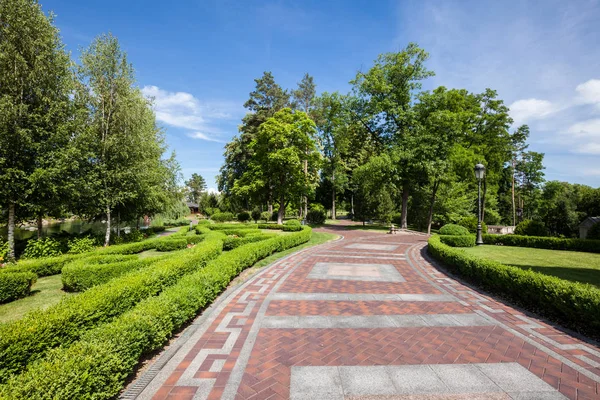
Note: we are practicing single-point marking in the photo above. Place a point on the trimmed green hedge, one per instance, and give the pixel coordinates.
(233, 242)
(542, 242)
(15, 285)
(222, 227)
(285, 228)
(98, 365)
(29, 338)
(454, 230)
(458, 240)
(575, 305)
(81, 275)
(171, 245)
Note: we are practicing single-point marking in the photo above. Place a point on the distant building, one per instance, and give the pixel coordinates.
(193, 207)
(585, 226)
(500, 229)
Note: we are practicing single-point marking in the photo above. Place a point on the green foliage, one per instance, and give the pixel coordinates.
(80, 275)
(256, 215)
(575, 305)
(29, 338)
(223, 217)
(550, 243)
(98, 365)
(471, 224)
(81, 245)
(593, 234)
(285, 228)
(15, 285)
(316, 217)
(3, 251)
(234, 242)
(195, 186)
(530, 227)
(230, 227)
(265, 216)
(44, 247)
(171, 245)
(460, 240)
(292, 222)
(453, 229)
(244, 216)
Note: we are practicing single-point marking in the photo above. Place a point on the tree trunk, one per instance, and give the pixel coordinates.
(514, 210)
(305, 197)
(333, 196)
(281, 212)
(39, 226)
(352, 204)
(11, 231)
(431, 204)
(107, 237)
(119, 223)
(405, 193)
(270, 207)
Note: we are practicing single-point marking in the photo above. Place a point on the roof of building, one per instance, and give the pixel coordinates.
(190, 204)
(589, 221)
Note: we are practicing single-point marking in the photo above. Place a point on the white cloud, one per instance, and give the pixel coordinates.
(586, 129)
(183, 110)
(589, 92)
(527, 109)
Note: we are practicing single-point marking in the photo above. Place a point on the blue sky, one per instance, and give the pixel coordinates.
(199, 58)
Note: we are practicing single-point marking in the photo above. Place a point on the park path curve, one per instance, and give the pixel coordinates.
(367, 317)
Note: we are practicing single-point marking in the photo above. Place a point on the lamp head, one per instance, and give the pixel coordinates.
(479, 171)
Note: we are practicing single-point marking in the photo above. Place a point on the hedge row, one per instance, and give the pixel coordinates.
(575, 305)
(235, 242)
(542, 242)
(285, 228)
(98, 365)
(458, 240)
(15, 285)
(221, 227)
(171, 245)
(81, 275)
(29, 338)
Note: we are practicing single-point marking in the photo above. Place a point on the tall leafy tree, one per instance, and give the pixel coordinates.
(35, 80)
(279, 148)
(196, 185)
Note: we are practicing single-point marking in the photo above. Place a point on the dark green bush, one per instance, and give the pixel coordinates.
(285, 228)
(530, 227)
(550, 243)
(98, 365)
(244, 216)
(292, 222)
(223, 217)
(44, 247)
(256, 214)
(453, 229)
(15, 285)
(576, 305)
(594, 232)
(316, 217)
(3, 251)
(458, 240)
(82, 245)
(234, 242)
(471, 224)
(171, 245)
(83, 274)
(228, 227)
(27, 339)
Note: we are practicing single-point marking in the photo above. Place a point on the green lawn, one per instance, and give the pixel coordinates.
(46, 292)
(569, 265)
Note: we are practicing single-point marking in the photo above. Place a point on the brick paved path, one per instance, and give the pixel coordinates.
(367, 317)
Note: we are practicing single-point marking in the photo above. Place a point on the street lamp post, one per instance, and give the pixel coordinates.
(479, 174)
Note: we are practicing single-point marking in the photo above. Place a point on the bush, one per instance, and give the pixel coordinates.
(593, 234)
(44, 247)
(3, 251)
(453, 229)
(458, 240)
(204, 222)
(576, 305)
(256, 214)
(265, 216)
(285, 228)
(15, 285)
(549, 243)
(81, 245)
(171, 245)
(530, 227)
(223, 217)
(98, 365)
(292, 222)
(244, 216)
(274, 216)
(29, 338)
(239, 227)
(235, 242)
(316, 217)
(471, 224)
(83, 274)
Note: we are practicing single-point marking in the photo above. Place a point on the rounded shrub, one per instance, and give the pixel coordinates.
(453, 229)
(45, 247)
(594, 232)
(255, 214)
(316, 217)
(530, 227)
(292, 222)
(15, 285)
(244, 216)
(265, 216)
(458, 240)
(223, 217)
(471, 224)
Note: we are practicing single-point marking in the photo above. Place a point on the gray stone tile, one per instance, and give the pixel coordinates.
(413, 379)
(439, 320)
(464, 378)
(309, 383)
(405, 321)
(358, 381)
(356, 272)
(556, 395)
(471, 320)
(369, 246)
(512, 377)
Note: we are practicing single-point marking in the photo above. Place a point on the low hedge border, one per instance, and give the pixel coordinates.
(575, 305)
(232, 242)
(544, 242)
(285, 228)
(29, 338)
(458, 240)
(98, 365)
(15, 285)
(171, 245)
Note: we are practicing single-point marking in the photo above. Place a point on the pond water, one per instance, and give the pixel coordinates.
(74, 226)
